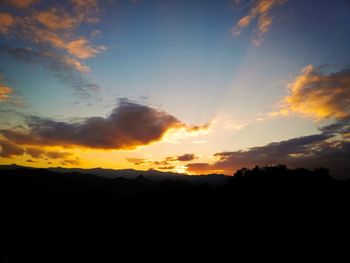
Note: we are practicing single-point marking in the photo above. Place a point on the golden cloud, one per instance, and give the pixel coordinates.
(318, 95)
(260, 11)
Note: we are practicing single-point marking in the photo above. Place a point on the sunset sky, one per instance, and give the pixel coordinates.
(183, 86)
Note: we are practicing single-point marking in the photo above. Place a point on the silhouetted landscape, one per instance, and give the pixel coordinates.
(57, 216)
(174, 130)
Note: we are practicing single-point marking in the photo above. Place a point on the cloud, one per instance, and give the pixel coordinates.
(315, 94)
(51, 32)
(128, 126)
(19, 3)
(58, 155)
(313, 151)
(35, 152)
(40, 153)
(86, 10)
(55, 18)
(80, 48)
(70, 162)
(186, 157)
(137, 161)
(318, 95)
(181, 158)
(5, 92)
(6, 22)
(9, 149)
(54, 62)
(260, 11)
(66, 69)
(166, 164)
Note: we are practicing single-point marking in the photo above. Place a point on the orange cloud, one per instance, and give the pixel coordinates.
(5, 93)
(81, 49)
(318, 95)
(55, 19)
(6, 22)
(20, 3)
(74, 63)
(260, 12)
(55, 28)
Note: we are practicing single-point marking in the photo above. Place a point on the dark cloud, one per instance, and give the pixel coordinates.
(138, 161)
(35, 152)
(39, 153)
(58, 155)
(182, 158)
(166, 164)
(70, 162)
(322, 150)
(186, 157)
(128, 126)
(9, 149)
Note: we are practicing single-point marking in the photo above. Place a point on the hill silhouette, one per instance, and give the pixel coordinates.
(49, 216)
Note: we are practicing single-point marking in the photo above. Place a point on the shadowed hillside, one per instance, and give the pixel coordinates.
(54, 217)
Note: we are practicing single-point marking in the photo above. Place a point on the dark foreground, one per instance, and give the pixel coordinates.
(51, 217)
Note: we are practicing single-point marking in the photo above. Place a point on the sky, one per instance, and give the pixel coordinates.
(193, 87)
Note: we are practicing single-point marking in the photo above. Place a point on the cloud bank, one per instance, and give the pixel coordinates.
(128, 126)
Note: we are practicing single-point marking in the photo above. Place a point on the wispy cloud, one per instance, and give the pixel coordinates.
(66, 69)
(52, 35)
(260, 12)
(169, 163)
(7, 94)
